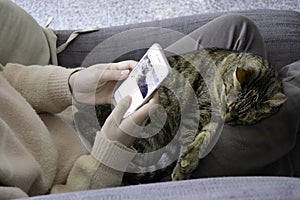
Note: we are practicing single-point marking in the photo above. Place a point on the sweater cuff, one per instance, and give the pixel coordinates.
(58, 87)
(111, 153)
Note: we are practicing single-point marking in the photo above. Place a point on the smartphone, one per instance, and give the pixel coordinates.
(144, 79)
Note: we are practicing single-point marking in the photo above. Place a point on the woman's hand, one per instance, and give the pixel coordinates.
(124, 130)
(96, 84)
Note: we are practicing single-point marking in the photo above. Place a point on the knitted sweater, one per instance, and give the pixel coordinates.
(40, 152)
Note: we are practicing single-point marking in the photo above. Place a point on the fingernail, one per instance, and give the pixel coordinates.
(124, 72)
(129, 100)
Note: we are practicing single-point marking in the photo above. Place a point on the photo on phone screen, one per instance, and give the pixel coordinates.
(144, 79)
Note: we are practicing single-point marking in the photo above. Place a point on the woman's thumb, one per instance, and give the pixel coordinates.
(121, 109)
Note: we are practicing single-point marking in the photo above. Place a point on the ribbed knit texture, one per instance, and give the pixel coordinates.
(58, 87)
(117, 156)
(42, 153)
(56, 93)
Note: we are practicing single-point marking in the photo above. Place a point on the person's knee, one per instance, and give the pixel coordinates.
(238, 20)
(245, 31)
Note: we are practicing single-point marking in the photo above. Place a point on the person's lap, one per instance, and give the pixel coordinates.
(230, 31)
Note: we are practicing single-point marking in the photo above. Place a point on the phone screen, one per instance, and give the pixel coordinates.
(144, 79)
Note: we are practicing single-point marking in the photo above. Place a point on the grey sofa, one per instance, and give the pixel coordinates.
(281, 32)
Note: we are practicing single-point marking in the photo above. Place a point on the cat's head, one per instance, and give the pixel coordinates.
(253, 90)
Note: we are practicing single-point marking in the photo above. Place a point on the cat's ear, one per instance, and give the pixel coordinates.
(239, 76)
(276, 99)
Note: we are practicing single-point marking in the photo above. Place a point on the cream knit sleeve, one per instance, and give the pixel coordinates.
(46, 88)
(103, 168)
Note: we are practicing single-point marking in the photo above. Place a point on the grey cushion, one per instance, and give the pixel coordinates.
(295, 156)
(245, 188)
(292, 83)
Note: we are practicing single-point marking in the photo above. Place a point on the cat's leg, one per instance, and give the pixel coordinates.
(189, 159)
(229, 31)
(199, 148)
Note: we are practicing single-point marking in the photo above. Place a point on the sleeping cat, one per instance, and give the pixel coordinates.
(205, 88)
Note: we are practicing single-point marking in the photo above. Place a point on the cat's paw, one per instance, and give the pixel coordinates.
(189, 160)
(178, 174)
(184, 168)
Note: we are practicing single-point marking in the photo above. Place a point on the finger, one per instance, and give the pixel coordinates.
(155, 98)
(120, 110)
(134, 124)
(113, 75)
(142, 114)
(110, 71)
(128, 64)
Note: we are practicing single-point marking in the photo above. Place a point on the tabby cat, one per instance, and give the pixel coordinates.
(205, 88)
